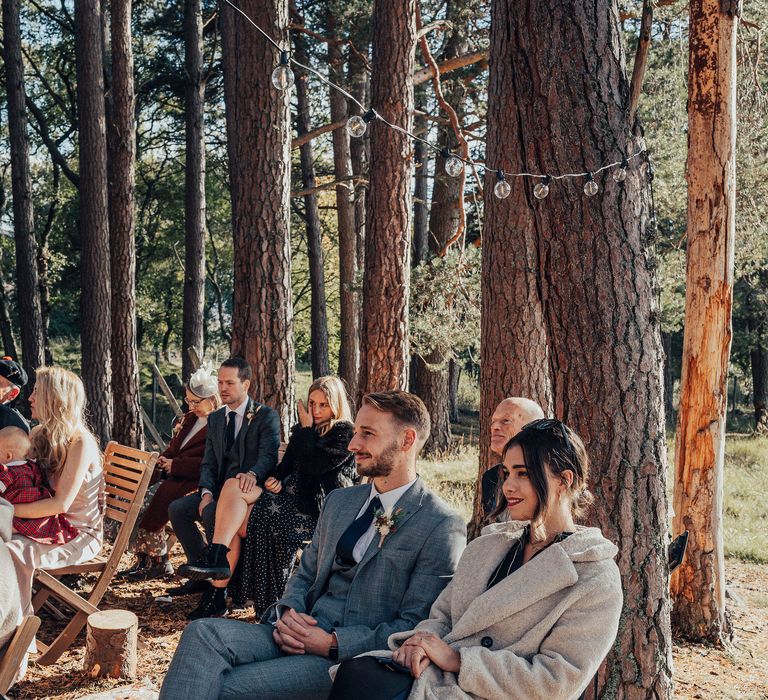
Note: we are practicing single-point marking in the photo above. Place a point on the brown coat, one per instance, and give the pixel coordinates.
(184, 477)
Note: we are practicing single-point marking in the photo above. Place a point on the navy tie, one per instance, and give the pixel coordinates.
(229, 438)
(354, 532)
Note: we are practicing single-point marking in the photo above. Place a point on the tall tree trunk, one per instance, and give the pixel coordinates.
(759, 361)
(128, 428)
(27, 290)
(384, 343)
(6, 327)
(420, 244)
(318, 315)
(258, 144)
(94, 226)
(698, 585)
(601, 316)
(349, 306)
(193, 323)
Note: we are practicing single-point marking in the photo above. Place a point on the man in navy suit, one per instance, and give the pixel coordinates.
(242, 441)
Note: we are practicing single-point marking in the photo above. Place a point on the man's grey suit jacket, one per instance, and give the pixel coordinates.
(257, 445)
(395, 584)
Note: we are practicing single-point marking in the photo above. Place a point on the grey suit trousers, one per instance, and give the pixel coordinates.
(184, 514)
(232, 659)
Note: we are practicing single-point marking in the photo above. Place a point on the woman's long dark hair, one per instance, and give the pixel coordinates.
(550, 444)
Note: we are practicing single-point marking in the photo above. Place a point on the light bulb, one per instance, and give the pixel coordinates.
(621, 174)
(356, 126)
(282, 76)
(590, 186)
(502, 188)
(541, 189)
(454, 166)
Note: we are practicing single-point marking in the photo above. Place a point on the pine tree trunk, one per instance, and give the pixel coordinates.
(420, 245)
(596, 296)
(6, 327)
(43, 260)
(94, 226)
(698, 585)
(759, 361)
(27, 289)
(193, 323)
(318, 314)
(384, 346)
(258, 144)
(349, 299)
(128, 428)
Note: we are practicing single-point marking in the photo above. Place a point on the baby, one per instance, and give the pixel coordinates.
(22, 480)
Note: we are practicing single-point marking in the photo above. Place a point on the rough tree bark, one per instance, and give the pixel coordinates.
(258, 144)
(128, 428)
(318, 314)
(94, 226)
(384, 342)
(349, 306)
(193, 324)
(698, 585)
(596, 292)
(27, 289)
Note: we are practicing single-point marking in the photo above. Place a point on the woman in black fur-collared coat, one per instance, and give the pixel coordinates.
(316, 461)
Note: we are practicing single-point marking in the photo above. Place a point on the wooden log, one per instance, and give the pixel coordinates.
(110, 645)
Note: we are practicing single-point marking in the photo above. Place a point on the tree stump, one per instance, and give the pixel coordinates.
(110, 646)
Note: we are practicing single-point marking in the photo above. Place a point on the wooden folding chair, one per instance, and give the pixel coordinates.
(127, 472)
(11, 660)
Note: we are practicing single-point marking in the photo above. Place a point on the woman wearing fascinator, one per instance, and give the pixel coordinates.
(179, 469)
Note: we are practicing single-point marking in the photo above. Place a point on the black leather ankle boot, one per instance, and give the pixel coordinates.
(212, 604)
(212, 564)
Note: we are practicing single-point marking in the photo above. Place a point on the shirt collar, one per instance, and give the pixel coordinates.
(16, 463)
(389, 498)
(240, 410)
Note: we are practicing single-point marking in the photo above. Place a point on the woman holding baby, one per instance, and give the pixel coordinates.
(64, 447)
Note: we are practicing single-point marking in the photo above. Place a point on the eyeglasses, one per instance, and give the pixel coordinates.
(194, 403)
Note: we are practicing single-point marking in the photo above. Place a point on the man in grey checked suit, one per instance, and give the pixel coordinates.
(355, 584)
(242, 441)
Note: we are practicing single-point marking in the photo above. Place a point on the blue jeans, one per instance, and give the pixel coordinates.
(233, 659)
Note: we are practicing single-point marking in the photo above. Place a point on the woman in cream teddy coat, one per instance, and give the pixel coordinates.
(535, 602)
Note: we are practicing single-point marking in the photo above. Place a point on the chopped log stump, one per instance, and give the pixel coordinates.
(110, 645)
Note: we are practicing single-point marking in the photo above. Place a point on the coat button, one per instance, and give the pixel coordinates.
(487, 642)
(336, 623)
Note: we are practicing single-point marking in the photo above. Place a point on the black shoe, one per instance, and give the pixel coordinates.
(159, 567)
(189, 588)
(212, 604)
(212, 564)
(141, 563)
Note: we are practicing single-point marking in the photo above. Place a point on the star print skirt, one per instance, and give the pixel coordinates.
(277, 530)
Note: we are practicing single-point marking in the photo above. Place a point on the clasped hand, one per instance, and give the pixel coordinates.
(422, 649)
(273, 485)
(298, 633)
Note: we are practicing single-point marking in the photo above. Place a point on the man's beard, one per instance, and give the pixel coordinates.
(381, 465)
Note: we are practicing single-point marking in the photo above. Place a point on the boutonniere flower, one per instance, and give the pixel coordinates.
(386, 522)
(250, 414)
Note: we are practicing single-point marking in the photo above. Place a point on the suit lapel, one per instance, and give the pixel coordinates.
(410, 502)
(337, 524)
(251, 405)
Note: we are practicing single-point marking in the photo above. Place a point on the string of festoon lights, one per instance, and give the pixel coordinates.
(283, 78)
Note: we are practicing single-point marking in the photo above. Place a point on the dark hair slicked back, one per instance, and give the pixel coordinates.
(244, 370)
(407, 408)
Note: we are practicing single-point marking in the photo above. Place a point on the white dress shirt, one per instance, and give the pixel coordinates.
(388, 502)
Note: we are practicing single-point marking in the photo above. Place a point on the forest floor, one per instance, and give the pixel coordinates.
(739, 671)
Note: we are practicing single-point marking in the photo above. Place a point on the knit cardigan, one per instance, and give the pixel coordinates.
(541, 633)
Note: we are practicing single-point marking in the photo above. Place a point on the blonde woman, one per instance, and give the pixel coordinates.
(66, 448)
(275, 524)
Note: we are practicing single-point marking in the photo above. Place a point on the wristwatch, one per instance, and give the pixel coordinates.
(333, 650)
